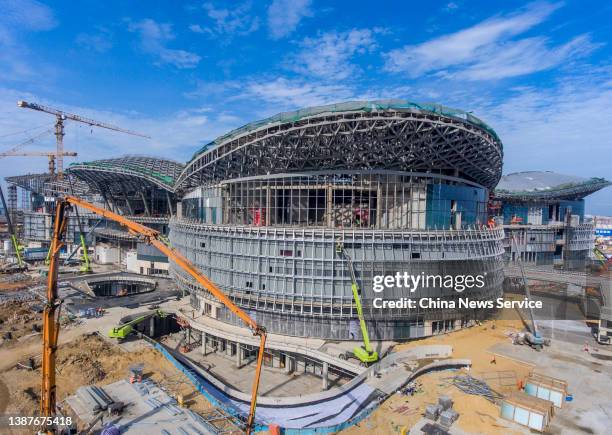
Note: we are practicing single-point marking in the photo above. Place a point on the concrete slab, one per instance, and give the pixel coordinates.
(274, 381)
(149, 410)
(588, 379)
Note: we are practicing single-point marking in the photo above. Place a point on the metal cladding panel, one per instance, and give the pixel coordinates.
(310, 295)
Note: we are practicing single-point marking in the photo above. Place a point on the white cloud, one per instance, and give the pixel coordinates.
(153, 39)
(196, 28)
(27, 14)
(176, 136)
(522, 57)
(284, 16)
(487, 50)
(266, 95)
(235, 21)
(19, 17)
(287, 94)
(450, 7)
(329, 55)
(101, 41)
(562, 128)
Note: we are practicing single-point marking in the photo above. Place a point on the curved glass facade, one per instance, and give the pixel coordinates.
(351, 199)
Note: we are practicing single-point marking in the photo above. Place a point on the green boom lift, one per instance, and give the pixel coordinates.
(122, 331)
(20, 263)
(364, 353)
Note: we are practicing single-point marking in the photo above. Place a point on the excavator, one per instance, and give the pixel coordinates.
(364, 353)
(51, 313)
(122, 331)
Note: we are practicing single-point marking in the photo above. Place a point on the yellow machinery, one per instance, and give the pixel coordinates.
(364, 353)
(13, 233)
(152, 237)
(603, 259)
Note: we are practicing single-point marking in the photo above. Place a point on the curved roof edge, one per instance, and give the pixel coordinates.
(547, 185)
(351, 106)
(160, 171)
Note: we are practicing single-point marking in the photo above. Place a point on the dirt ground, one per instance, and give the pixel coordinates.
(14, 282)
(477, 414)
(88, 360)
(18, 322)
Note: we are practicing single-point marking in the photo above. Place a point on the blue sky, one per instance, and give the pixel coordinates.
(185, 72)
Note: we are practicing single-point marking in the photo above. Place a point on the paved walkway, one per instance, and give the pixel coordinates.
(333, 407)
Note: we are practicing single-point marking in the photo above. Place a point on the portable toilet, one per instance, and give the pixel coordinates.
(547, 388)
(527, 410)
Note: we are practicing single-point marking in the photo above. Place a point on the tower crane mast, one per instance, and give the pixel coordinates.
(60, 117)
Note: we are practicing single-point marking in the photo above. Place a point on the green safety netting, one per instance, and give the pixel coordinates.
(352, 106)
(107, 165)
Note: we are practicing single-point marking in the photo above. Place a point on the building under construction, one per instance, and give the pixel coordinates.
(543, 217)
(402, 187)
(263, 210)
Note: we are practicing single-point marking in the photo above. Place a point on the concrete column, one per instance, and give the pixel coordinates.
(457, 324)
(276, 360)
(152, 327)
(427, 328)
(203, 343)
(324, 374)
(238, 355)
(288, 364)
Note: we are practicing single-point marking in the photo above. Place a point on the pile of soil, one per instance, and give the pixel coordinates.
(18, 319)
(89, 360)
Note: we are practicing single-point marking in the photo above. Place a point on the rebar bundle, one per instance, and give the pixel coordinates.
(471, 385)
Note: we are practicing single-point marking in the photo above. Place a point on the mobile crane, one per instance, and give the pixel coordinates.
(364, 353)
(53, 306)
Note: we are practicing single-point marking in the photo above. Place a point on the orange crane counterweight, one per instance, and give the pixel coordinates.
(152, 237)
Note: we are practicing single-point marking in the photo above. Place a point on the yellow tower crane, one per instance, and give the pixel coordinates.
(51, 155)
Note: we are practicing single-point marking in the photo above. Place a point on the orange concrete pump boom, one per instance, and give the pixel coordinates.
(51, 325)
